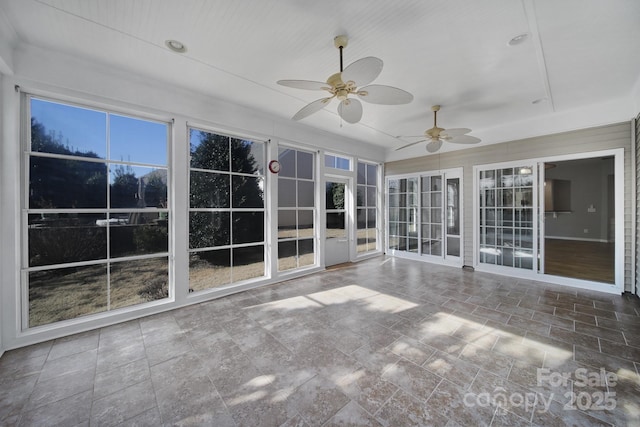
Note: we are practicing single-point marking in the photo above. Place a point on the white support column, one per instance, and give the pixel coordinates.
(180, 152)
(10, 213)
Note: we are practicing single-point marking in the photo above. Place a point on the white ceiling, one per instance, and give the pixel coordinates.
(579, 54)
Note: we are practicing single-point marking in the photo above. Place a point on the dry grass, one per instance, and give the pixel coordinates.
(63, 294)
(366, 239)
(204, 275)
(56, 295)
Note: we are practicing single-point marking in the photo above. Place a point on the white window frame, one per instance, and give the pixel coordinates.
(267, 270)
(25, 143)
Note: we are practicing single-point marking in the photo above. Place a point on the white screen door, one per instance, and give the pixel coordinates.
(337, 221)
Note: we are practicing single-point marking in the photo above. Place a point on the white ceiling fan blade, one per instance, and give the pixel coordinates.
(386, 95)
(363, 71)
(309, 109)
(409, 145)
(434, 145)
(452, 133)
(304, 84)
(350, 110)
(465, 139)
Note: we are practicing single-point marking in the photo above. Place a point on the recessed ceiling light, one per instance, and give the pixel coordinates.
(176, 46)
(519, 39)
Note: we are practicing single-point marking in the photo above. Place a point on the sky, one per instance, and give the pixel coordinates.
(130, 139)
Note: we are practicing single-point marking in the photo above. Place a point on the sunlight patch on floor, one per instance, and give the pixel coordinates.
(289, 304)
(388, 304)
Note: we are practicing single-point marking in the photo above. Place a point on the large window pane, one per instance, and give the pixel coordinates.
(286, 193)
(66, 184)
(209, 151)
(287, 225)
(372, 174)
(247, 192)
(67, 293)
(209, 229)
(139, 281)
(138, 233)
(209, 269)
(135, 140)
(65, 129)
(305, 223)
(287, 255)
(305, 252)
(362, 173)
(65, 238)
(372, 235)
(137, 187)
(248, 227)
(247, 156)
(248, 263)
(287, 159)
(305, 165)
(306, 194)
(209, 190)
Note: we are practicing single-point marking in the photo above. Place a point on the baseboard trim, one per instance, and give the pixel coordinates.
(581, 239)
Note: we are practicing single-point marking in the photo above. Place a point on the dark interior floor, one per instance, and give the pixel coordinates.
(580, 259)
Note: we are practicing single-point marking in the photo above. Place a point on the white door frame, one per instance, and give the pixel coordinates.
(349, 217)
(443, 259)
(536, 273)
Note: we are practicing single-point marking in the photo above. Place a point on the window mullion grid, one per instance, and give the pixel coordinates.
(108, 213)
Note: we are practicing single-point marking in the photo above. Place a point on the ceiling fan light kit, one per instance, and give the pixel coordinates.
(352, 81)
(437, 135)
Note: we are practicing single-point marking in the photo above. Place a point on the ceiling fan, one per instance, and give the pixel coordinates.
(350, 81)
(436, 136)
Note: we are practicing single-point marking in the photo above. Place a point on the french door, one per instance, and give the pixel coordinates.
(424, 216)
(506, 216)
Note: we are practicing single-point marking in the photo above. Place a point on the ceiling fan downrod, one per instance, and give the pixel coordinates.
(435, 110)
(340, 42)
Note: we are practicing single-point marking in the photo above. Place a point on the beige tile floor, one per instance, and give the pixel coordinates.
(384, 342)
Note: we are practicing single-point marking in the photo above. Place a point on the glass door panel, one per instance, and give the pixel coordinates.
(431, 237)
(336, 229)
(506, 217)
(403, 214)
(453, 217)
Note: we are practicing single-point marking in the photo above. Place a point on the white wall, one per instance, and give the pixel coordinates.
(635, 95)
(7, 38)
(45, 73)
(589, 187)
(1, 246)
(7, 41)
